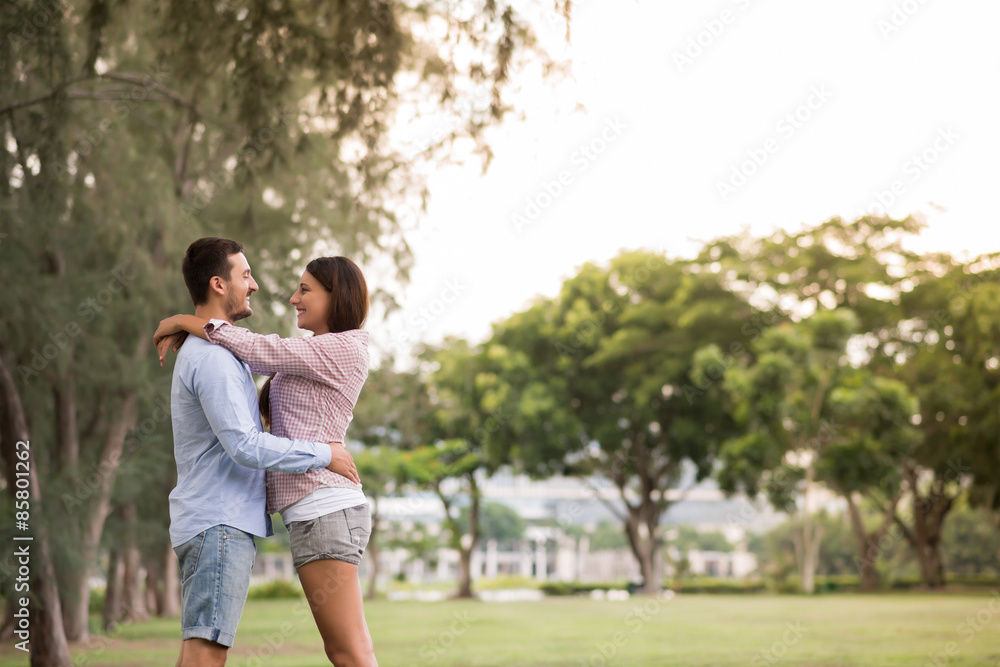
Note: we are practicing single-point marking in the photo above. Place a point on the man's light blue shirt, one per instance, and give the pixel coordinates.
(221, 448)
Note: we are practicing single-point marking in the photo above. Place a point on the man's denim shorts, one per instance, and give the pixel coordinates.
(341, 535)
(215, 576)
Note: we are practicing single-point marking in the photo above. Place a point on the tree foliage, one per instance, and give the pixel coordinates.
(599, 383)
(130, 129)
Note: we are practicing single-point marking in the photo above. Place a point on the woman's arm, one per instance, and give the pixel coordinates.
(173, 341)
(192, 324)
(332, 358)
(174, 330)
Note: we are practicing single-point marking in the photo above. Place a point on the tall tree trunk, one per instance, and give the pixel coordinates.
(372, 555)
(78, 593)
(870, 545)
(171, 607)
(868, 549)
(929, 512)
(645, 548)
(811, 536)
(465, 553)
(644, 517)
(806, 544)
(47, 641)
(465, 544)
(152, 592)
(155, 592)
(49, 647)
(113, 591)
(7, 631)
(68, 443)
(931, 565)
(67, 449)
(653, 574)
(133, 589)
(464, 573)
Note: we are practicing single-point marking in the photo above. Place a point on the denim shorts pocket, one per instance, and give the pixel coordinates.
(188, 555)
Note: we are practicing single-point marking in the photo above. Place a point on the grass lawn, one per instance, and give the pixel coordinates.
(716, 630)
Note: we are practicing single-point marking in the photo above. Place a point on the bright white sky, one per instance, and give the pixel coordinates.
(882, 94)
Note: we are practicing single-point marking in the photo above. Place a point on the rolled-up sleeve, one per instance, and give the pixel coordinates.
(331, 358)
(225, 405)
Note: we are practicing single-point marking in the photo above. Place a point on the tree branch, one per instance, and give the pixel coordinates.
(607, 503)
(143, 80)
(41, 98)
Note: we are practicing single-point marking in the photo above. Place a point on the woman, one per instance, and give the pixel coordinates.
(314, 385)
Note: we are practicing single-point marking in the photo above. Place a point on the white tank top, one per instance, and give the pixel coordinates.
(324, 500)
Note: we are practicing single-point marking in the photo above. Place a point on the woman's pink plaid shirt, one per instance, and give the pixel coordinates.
(317, 383)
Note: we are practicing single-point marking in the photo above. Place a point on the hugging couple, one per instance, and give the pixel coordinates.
(223, 496)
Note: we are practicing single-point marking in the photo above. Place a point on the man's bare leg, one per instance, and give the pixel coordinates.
(202, 653)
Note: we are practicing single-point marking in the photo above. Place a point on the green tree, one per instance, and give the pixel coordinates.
(393, 409)
(777, 549)
(862, 462)
(925, 320)
(970, 543)
(860, 265)
(128, 131)
(908, 306)
(782, 401)
(436, 419)
(598, 383)
(688, 538)
(460, 421)
(607, 535)
(496, 522)
(419, 542)
(390, 416)
(378, 469)
(449, 470)
(949, 356)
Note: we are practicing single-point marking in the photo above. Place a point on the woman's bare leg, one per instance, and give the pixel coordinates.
(334, 593)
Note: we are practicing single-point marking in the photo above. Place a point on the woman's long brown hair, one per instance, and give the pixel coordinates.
(344, 282)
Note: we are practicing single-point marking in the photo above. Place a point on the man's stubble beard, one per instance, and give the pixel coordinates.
(236, 308)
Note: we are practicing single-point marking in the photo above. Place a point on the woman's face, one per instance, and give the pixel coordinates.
(312, 302)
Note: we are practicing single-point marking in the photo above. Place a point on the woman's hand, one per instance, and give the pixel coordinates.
(168, 327)
(342, 463)
(173, 341)
(178, 323)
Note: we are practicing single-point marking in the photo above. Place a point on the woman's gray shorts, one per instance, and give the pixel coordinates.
(341, 535)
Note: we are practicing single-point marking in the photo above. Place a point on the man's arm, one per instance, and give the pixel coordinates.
(218, 384)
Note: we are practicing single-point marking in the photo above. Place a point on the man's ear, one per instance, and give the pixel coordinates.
(217, 285)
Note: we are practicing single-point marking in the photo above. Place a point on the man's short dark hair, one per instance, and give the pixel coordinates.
(204, 259)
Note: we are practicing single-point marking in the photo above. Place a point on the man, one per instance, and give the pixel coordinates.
(217, 507)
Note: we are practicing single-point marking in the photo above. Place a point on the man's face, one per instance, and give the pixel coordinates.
(241, 285)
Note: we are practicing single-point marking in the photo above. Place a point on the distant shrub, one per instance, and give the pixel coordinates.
(728, 586)
(973, 580)
(851, 583)
(276, 589)
(559, 588)
(96, 603)
(506, 582)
